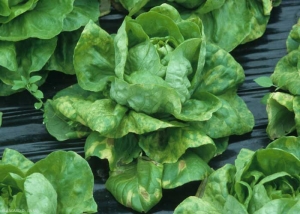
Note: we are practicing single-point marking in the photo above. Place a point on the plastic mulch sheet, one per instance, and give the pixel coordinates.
(23, 128)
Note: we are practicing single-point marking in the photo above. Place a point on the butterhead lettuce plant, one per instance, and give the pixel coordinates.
(283, 105)
(262, 181)
(62, 182)
(156, 99)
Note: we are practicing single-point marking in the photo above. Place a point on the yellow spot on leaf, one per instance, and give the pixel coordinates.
(181, 165)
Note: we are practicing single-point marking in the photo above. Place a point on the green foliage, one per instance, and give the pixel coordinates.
(38, 36)
(246, 19)
(259, 182)
(155, 100)
(64, 180)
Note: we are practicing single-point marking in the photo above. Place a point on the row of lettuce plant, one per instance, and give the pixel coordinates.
(157, 99)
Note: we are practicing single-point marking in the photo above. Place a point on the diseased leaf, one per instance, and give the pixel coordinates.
(286, 75)
(137, 185)
(230, 119)
(167, 146)
(150, 95)
(221, 72)
(189, 167)
(118, 152)
(293, 40)
(61, 127)
(96, 47)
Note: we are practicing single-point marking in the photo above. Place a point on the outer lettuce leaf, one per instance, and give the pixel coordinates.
(189, 167)
(221, 72)
(232, 118)
(293, 40)
(169, 145)
(280, 115)
(285, 74)
(137, 185)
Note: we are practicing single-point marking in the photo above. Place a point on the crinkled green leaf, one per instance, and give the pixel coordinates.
(189, 167)
(144, 57)
(72, 179)
(137, 185)
(233, 118)
(280, 115)
(199, 109)
(260, 14)
(16, 159)
(286, 73)
(221, 72)
(147, 93)
(118, 152)
(293, 40)
(216, 28)
(124, 40)
(42, 199)
(81, 14)
(44, 20)
(95, 46)
(186, 61)
(168, 145)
